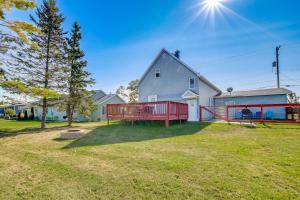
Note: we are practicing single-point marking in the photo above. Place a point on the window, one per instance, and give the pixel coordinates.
(103, 110)
(192, 83)
(157, 73)
(152, 98)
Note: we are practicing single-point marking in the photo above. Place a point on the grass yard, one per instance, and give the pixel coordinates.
(211, 161)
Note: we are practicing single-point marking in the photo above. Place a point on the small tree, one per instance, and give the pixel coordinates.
(122, 92)
(133, 91)
(25, 115)
(31, 116)
(87, 106)
(10, 113)
(130, 93)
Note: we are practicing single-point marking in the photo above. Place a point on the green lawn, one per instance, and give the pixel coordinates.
(211, 161)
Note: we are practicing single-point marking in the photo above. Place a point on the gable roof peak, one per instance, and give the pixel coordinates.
(163, 50)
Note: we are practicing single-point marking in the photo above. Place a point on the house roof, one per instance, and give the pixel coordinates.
(108, 97)
(202, 78)
(261, 92)
(98, 95)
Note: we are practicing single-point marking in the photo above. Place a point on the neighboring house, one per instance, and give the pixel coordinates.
(102, 99)
(262, 96)
(169, 79)
(53, 114)
(17, 107)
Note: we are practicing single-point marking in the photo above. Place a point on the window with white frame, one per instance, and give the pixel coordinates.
(192, 83)
(157, 73)
(103, 110)
(152, 98)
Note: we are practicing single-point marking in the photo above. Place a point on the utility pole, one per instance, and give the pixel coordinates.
(277, 66)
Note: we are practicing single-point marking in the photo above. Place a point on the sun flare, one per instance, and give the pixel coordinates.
(212, 4)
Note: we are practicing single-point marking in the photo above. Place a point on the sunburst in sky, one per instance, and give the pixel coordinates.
(209, 9)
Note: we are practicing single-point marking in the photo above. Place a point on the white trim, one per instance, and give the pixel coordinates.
(189, 95)
(152, 97)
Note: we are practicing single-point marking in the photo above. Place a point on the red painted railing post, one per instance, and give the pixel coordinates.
(261, 114)
(167, 122)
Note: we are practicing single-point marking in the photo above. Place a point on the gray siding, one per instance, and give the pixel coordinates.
(172, 83)
(279, 112)
(273, 99)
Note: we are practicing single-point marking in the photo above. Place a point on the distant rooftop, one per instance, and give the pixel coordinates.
(261, 92)
(99, 94)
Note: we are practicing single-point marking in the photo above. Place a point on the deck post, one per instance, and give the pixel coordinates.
(167, 122)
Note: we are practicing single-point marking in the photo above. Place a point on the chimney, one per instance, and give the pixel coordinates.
(177, 54)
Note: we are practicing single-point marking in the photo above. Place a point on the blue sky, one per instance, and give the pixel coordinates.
(234, 48)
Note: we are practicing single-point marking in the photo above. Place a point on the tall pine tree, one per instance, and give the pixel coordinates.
(78, 79)
(43, 69)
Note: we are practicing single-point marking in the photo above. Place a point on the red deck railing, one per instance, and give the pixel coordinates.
(148, 111)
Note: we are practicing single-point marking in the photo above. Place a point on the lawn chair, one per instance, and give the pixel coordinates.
(238, 115)
(269, 115)
(257, 115)
(247, 114)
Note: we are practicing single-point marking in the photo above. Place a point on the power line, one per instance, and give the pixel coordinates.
(216, 61)
(229, 58)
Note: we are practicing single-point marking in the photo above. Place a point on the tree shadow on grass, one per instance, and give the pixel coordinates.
(279, 126)
(122, 133)
(13, 133)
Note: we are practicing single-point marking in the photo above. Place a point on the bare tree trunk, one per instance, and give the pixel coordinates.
(44, 113)
(69, 114)
(45, 106)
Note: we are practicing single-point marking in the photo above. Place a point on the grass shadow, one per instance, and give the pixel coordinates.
(122, 133)
(279, 126)
(13, 133)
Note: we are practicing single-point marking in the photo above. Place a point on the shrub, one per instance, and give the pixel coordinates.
(10, 112)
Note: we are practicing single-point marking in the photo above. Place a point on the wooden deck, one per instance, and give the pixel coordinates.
(148, 111)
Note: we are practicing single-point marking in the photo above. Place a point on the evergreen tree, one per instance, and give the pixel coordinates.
(19, 27)
(13, 30)
(41, 70)
(25, 115)
(78, 78)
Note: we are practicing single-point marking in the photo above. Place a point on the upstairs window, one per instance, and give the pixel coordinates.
(192, 83)
(157, 73)
(152, 98)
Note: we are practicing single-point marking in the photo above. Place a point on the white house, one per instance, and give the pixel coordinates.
(169, 79)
